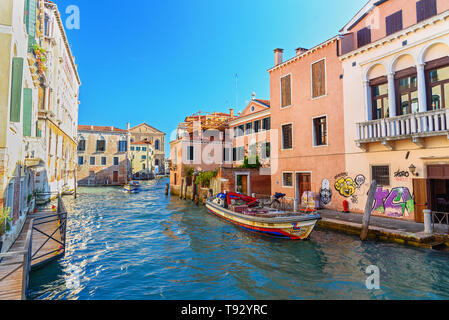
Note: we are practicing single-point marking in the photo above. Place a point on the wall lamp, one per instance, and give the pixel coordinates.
(412, 169)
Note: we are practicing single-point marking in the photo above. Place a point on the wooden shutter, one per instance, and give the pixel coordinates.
(27, 111)
(425, 9)
(30, 20)
(286, 90)
(363, 37)
(318, 79)
(420, 194)
(394, 22)
(16, 89)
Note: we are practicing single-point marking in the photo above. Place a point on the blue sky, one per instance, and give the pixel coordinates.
(159, 61)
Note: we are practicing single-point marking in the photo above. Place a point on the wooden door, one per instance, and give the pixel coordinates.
(304, 183)
(115, 177)
(420, 193)
(245, 185)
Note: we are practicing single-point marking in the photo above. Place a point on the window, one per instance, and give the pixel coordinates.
(137, 148)
(92, 161)
(116, 161)
(249, 128)
(157, 162)
(144, 148)
(156, 144)
(257, 126)
(82, 145)
(394, 22)
(241, 130)
(144, 157)
(226, 154)
(319, 79)
(363, 37)
(286, 91)
(101, 145)
(265, 151)
(320, 131)
(132, 148)
(287, 136)
(380, 101)
(266, 125)
(439, 88)
(122, 146)
(103, 161)
(143, 166)
(80, 160)
(381, 174)
(287, 179)
(425, 9)
(407, 95)
(240, 154)
(236, 133)
(190, 153)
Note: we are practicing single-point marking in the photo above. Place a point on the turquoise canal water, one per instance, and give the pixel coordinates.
(148, 246)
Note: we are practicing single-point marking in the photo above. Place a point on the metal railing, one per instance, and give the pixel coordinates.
(440, 218)
(26, 259)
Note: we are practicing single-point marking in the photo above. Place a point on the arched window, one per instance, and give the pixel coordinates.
(157, 162)
(156, 144)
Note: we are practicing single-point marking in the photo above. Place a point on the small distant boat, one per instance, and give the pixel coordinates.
(132, 187)
(245, 212)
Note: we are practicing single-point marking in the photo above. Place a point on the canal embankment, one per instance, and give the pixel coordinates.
(380, 229)
(384, 229)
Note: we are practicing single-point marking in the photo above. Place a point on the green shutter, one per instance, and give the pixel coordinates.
(31, 23)
(16, 89)
(27, 111)
(38, 131)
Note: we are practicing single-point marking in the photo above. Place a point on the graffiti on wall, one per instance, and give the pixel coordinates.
(325, 192)
(395, 203)
(346, 186)
(401, 175)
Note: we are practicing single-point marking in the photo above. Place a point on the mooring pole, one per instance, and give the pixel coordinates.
(182, 187)
(167, 186)
(368, 209)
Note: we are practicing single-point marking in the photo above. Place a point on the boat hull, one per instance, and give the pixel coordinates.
(293, 229)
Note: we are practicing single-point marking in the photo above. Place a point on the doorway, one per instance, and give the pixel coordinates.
(242, 183)
(303, 185)
(115, 177)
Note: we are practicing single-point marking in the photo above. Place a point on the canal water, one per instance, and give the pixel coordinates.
(148, 246)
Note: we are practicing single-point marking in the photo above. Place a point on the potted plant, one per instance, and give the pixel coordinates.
(5, 219)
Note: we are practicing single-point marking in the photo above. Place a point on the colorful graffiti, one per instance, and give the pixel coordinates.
(325, 192)
(345, 186)
(395, 203)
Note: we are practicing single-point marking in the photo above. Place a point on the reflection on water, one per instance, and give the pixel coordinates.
(148, 246)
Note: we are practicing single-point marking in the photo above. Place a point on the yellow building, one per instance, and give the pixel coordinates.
(142, 155)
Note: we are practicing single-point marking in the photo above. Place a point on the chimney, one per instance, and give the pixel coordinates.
(128, 126)
(300, 51)
(231, 112)
(278, 56)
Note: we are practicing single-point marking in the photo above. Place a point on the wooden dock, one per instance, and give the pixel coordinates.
(42, 240)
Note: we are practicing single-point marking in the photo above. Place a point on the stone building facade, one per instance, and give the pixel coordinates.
(145, 132)
(103, 156)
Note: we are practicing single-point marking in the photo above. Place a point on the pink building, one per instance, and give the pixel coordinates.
(307, 125)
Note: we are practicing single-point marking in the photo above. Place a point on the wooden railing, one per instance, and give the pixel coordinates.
(416, 124)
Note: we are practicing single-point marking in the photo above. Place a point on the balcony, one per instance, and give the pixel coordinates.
(412, 126)
(34, 151)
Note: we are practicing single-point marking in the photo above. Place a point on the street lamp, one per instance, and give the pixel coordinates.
(412, 169)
